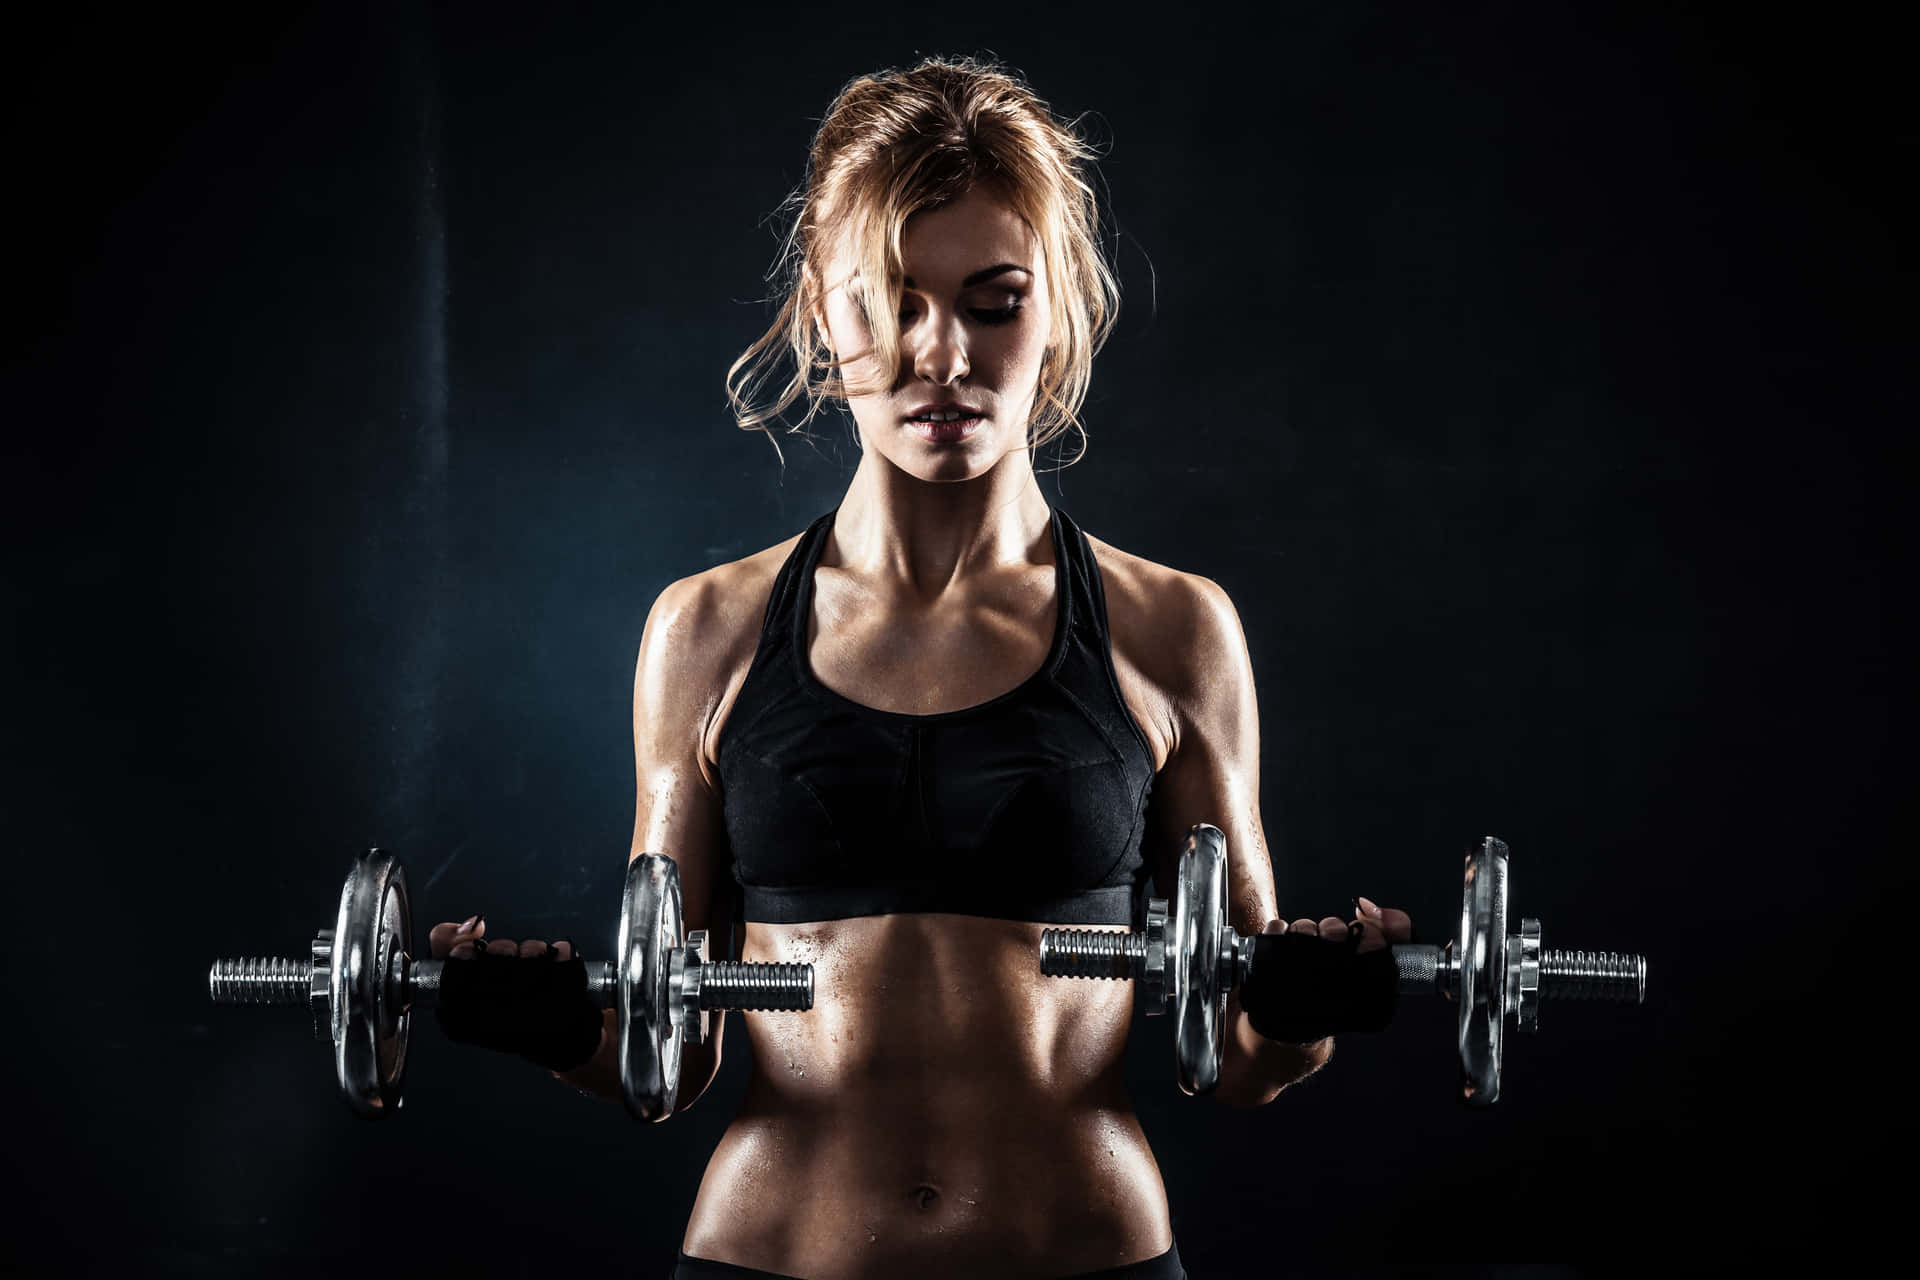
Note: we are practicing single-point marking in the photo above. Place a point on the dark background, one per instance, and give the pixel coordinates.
(1529, 375)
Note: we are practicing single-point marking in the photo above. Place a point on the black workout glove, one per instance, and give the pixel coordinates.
(536, 1007)
(1302, 988)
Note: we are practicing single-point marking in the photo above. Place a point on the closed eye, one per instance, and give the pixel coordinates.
(984, 315)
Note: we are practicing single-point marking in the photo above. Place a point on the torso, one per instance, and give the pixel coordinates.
(944, 1111)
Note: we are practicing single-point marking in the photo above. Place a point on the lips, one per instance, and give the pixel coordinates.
(946, 407)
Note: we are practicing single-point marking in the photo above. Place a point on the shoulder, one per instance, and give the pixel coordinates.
(700, 638)
(1179, 630)
(717, 607)
(1163, 604)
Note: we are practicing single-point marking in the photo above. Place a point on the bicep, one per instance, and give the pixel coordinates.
(677, 684)
(1212, 774)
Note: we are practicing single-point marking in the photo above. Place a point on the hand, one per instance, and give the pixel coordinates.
(526, 998)
(1379, 926)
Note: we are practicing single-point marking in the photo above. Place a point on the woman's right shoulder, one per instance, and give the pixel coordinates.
(718, 611)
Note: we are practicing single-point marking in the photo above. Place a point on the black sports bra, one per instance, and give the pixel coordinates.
(1030, 806)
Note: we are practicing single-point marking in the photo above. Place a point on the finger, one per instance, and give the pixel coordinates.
(533, 948)
(1304, 925)
(501, 947)
(563, 950)
(1333, 929)
(443, 937)
(1397, 925)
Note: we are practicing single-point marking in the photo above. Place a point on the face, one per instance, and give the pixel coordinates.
(973, 331)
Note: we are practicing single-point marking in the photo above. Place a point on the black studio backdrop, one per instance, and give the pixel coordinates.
(1528, 374)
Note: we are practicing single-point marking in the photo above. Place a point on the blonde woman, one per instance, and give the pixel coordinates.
(941, 718)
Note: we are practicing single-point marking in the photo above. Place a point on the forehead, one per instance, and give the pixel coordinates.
(939, 247)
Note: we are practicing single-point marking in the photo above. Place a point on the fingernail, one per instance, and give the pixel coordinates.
(480, 922)
(471, 921)
(1369, 908)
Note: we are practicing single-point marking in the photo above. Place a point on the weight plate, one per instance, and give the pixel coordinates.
(649, 935)
(370, 934)
(1198, 927)
(1483, 972)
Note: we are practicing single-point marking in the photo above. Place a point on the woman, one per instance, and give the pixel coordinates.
(933, 723)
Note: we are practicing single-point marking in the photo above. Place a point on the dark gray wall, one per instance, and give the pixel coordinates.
(1527, 373)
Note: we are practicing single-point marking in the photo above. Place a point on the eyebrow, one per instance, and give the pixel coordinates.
(979, 277)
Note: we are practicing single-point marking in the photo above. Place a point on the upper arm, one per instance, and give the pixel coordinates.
(1212, 773)
(678, 683)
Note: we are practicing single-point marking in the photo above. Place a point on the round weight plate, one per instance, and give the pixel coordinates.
(1193, 945)
(1483, 972)
(370, 934)
(649, 936)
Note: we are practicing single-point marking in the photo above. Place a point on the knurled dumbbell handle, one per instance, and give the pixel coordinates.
(1423, 968)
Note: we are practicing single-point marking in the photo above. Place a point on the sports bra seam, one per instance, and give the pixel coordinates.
(833, 832)
(1007, 799)
(1135, 832)
(732, 733)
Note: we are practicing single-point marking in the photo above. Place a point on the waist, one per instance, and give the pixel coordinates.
(932, 1190)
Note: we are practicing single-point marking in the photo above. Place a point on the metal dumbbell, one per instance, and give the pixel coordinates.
(1190, 960)
(362, 985)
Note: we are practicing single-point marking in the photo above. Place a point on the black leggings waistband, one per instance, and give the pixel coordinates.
(1165, 1267)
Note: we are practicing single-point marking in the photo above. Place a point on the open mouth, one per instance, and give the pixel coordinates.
(944, 432)
(946, 422)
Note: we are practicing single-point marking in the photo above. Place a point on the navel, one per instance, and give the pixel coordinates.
(924, 1195)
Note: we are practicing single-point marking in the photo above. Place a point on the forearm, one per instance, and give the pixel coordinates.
(1254, 1069)
(599, 1076)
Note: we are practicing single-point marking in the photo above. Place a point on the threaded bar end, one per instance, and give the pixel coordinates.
(261, 980)
(1593, 975)
(737, 984)
(1082, 953)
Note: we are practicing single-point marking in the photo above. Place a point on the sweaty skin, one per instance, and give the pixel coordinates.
(942, 1109)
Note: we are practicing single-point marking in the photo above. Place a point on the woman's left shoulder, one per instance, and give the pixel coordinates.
(1168, 627)
(1143, 588)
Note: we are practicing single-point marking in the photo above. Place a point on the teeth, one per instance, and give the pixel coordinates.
(949, 416)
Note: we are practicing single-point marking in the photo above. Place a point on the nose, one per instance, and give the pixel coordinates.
(937, 351)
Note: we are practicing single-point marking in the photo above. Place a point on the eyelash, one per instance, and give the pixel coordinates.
(989, 316)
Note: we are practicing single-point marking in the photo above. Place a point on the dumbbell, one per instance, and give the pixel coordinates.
(1190, 960)
(361, 985)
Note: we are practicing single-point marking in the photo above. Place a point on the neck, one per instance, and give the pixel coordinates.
(924, 537)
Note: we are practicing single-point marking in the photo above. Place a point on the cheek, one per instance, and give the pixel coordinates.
(1024, 350)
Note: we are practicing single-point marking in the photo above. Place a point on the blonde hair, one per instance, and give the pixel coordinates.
(894, 143)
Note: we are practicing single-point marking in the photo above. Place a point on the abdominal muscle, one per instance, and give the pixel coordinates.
(942, 1110)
